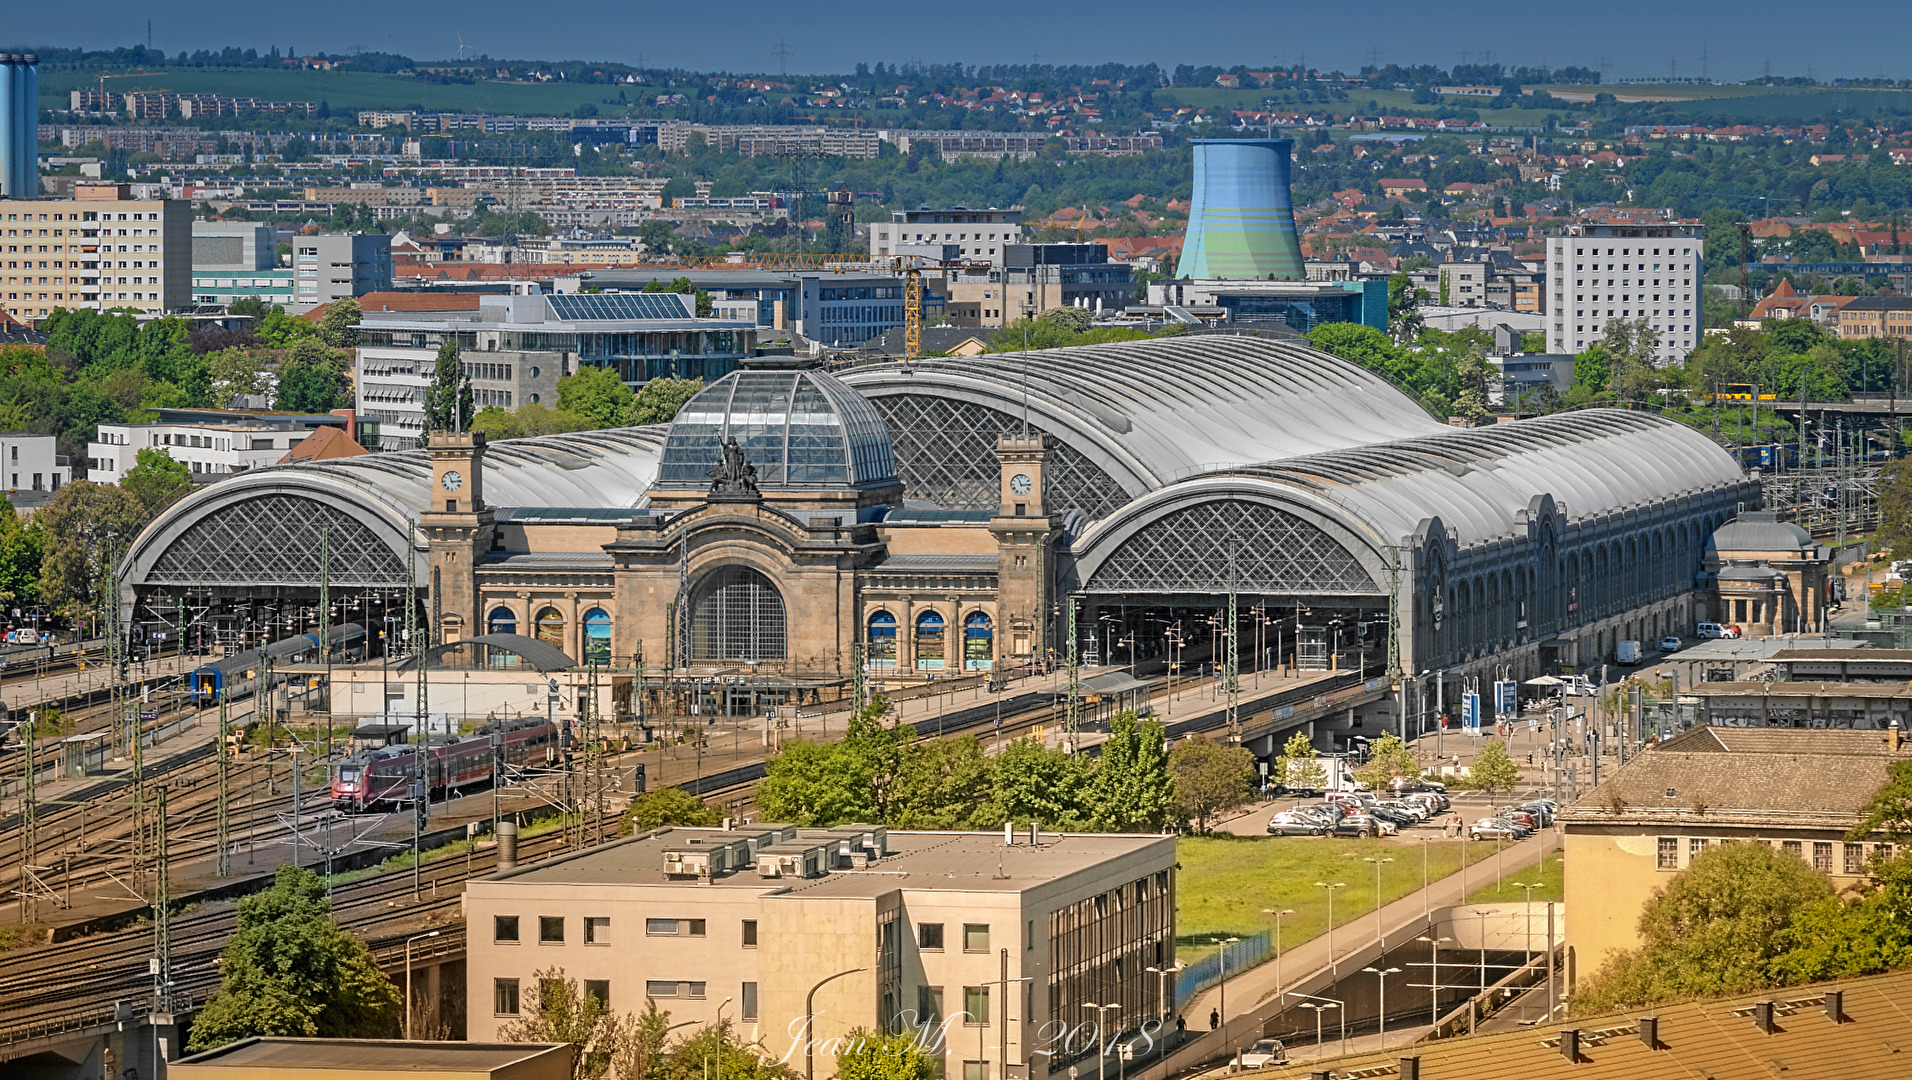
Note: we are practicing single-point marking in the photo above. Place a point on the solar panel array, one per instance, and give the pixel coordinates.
(587, 306)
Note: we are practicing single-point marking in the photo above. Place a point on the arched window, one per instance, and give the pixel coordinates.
(979, 640)
(551, 627)
(882, 640)
(929, 641)
(597, 636)
(501, 621)
(738, 615)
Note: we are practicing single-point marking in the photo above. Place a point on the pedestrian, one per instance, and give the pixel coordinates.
(1181, 1030)
(1214, 1019)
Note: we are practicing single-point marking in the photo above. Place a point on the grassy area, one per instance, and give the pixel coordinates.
(1550, 874)
(1226, 882)
(15, 935)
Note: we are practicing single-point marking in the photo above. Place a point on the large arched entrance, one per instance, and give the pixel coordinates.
(737, 615)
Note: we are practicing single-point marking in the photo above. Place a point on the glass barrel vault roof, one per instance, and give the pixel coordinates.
(799, 428)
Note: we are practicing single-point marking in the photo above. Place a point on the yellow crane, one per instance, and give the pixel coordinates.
(912, 307)
(133, 75)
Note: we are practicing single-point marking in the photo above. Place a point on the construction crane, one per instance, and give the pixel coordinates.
(911, 267)
(134, 75)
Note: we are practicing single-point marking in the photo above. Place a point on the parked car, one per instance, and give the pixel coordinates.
(1627, 653)
(1279, 790)
(1357, 824)
(1433, 800)
(1712, 630)
(1494, 829)
(1263, 1053)
(1526, 819)
(1292, 824)
(1669, 644)
(1404, 784)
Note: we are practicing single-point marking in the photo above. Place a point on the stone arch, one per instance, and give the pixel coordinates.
(737, 613)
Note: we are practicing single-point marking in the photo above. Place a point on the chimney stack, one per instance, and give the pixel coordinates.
(1570, 1044)
(1009, 834)
(1650, 1032)
(1410, 1068)
(1763, 1016)
(1893, 736)
(1835, 1006)
(507, 845)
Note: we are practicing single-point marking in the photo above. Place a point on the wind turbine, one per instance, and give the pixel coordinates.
(462, 47)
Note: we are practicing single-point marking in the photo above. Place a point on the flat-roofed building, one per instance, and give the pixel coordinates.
(273, 1057)
(100, 249)
(980, 234)
(854, 927)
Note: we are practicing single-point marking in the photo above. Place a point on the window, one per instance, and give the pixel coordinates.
(881, 649)
(1822, 856)
(551, 627)
(597, 930)
(976, 1005)
(504, 997)
(929, 641)
(929, 1005)
(551, 928)
(504, 928)
(749, 1002)
(975, 1070)
(750, 933)
(929, 936)
(1669, 853)
(501, 621)
(597, 636)
(975, 937)
(660, 926)
(1795, 848)
(696, 927)
(1855, 858)
(600, 989)
(659, 988)
(1694, 847)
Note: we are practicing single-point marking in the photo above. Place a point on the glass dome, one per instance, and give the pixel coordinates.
(799, 428)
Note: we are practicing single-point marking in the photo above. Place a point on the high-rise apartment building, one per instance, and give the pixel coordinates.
(101, 249)
(1599, 273)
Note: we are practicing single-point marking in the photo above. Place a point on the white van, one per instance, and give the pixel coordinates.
(1711, 630)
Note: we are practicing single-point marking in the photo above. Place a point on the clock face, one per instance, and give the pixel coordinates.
(1021, 484)
(451, 481)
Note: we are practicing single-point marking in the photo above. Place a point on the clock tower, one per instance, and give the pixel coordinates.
(1026, 535)
(458, 526)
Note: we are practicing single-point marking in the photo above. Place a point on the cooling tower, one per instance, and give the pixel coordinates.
(20, 125)
(1242, 224)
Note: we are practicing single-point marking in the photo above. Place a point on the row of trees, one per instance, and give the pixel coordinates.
(880, 772)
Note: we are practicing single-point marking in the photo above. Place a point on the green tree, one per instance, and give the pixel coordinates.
(1493, 770)
(557, 1012)
(86, 525)
(669, 806)
(658, 400)
(22, 547)
(233, 372)
(597, 395)
(338, 327)
(312, 378)
(1131, 788)
(1034, 784)
(944, 784)
(278, 330)
(448, 398)
(1210, 779)
(641, 1054)
(812, 783)
(1890, 810)
(1299, 768)
(157, 481)
(873, 1055)
(1716, 928)
(1404, 309)
(715, 1051)
(1389, 759)
(290, 970)
(1630, 346)
(1592, 370)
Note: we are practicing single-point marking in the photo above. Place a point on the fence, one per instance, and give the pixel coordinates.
(1206, 972)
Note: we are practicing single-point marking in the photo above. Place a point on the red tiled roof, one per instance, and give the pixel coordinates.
(324, 444)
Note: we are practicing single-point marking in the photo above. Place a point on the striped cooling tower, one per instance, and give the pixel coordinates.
(1242, 224)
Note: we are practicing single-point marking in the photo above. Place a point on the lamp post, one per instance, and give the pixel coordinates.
(1483, 913)
(1382, 974)
(1378, 935)
(1101, 1040)
(1333, 967)
(1162, 973)
(408, 978)
(1318, 1010)
(1331, 1004)
(1530, 887)
(1278, 915)
(1434, 976)
(810, 1022)
(1222, 1012)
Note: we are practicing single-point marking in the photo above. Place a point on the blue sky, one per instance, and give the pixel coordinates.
(1635, 37)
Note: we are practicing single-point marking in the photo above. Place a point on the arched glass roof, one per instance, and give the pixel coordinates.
(1148, 413)
(799, 428)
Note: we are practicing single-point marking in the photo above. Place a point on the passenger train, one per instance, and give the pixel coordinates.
(382, 778)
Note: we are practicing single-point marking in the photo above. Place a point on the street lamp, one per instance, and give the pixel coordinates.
(1330, 1004)
(1100, 1038)
(408, 978)
(1382, 974)
(1222, 1012)
(1483, 913)
(1378, 936)
(1278, 917)
(1530, 887)
(810, 1021)
(1162, 973)
(1434, 976)
(1333, 967)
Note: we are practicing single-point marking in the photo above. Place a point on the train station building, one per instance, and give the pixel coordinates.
(797, 526)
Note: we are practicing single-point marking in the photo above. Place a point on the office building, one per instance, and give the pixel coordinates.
(1242, 221)
(101, 249)
(212, 444)
(516, 348)
(238, 260)
(1599, 273)
(1296, 305)
(979, 235)
(19, 125)
(853, 927)
(1875, 317)
(335, 266)
(32, 462)
(1032, 278)
(834, 309)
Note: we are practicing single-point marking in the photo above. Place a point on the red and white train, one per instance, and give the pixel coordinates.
(382, 778)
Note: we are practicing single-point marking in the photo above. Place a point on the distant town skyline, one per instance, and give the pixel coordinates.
(1630, 38)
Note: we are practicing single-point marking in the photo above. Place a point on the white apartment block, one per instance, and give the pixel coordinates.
(32, 462)
(100, 249)
(1599, 273)
(208, 451)
(853, 927)
(981, 234)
